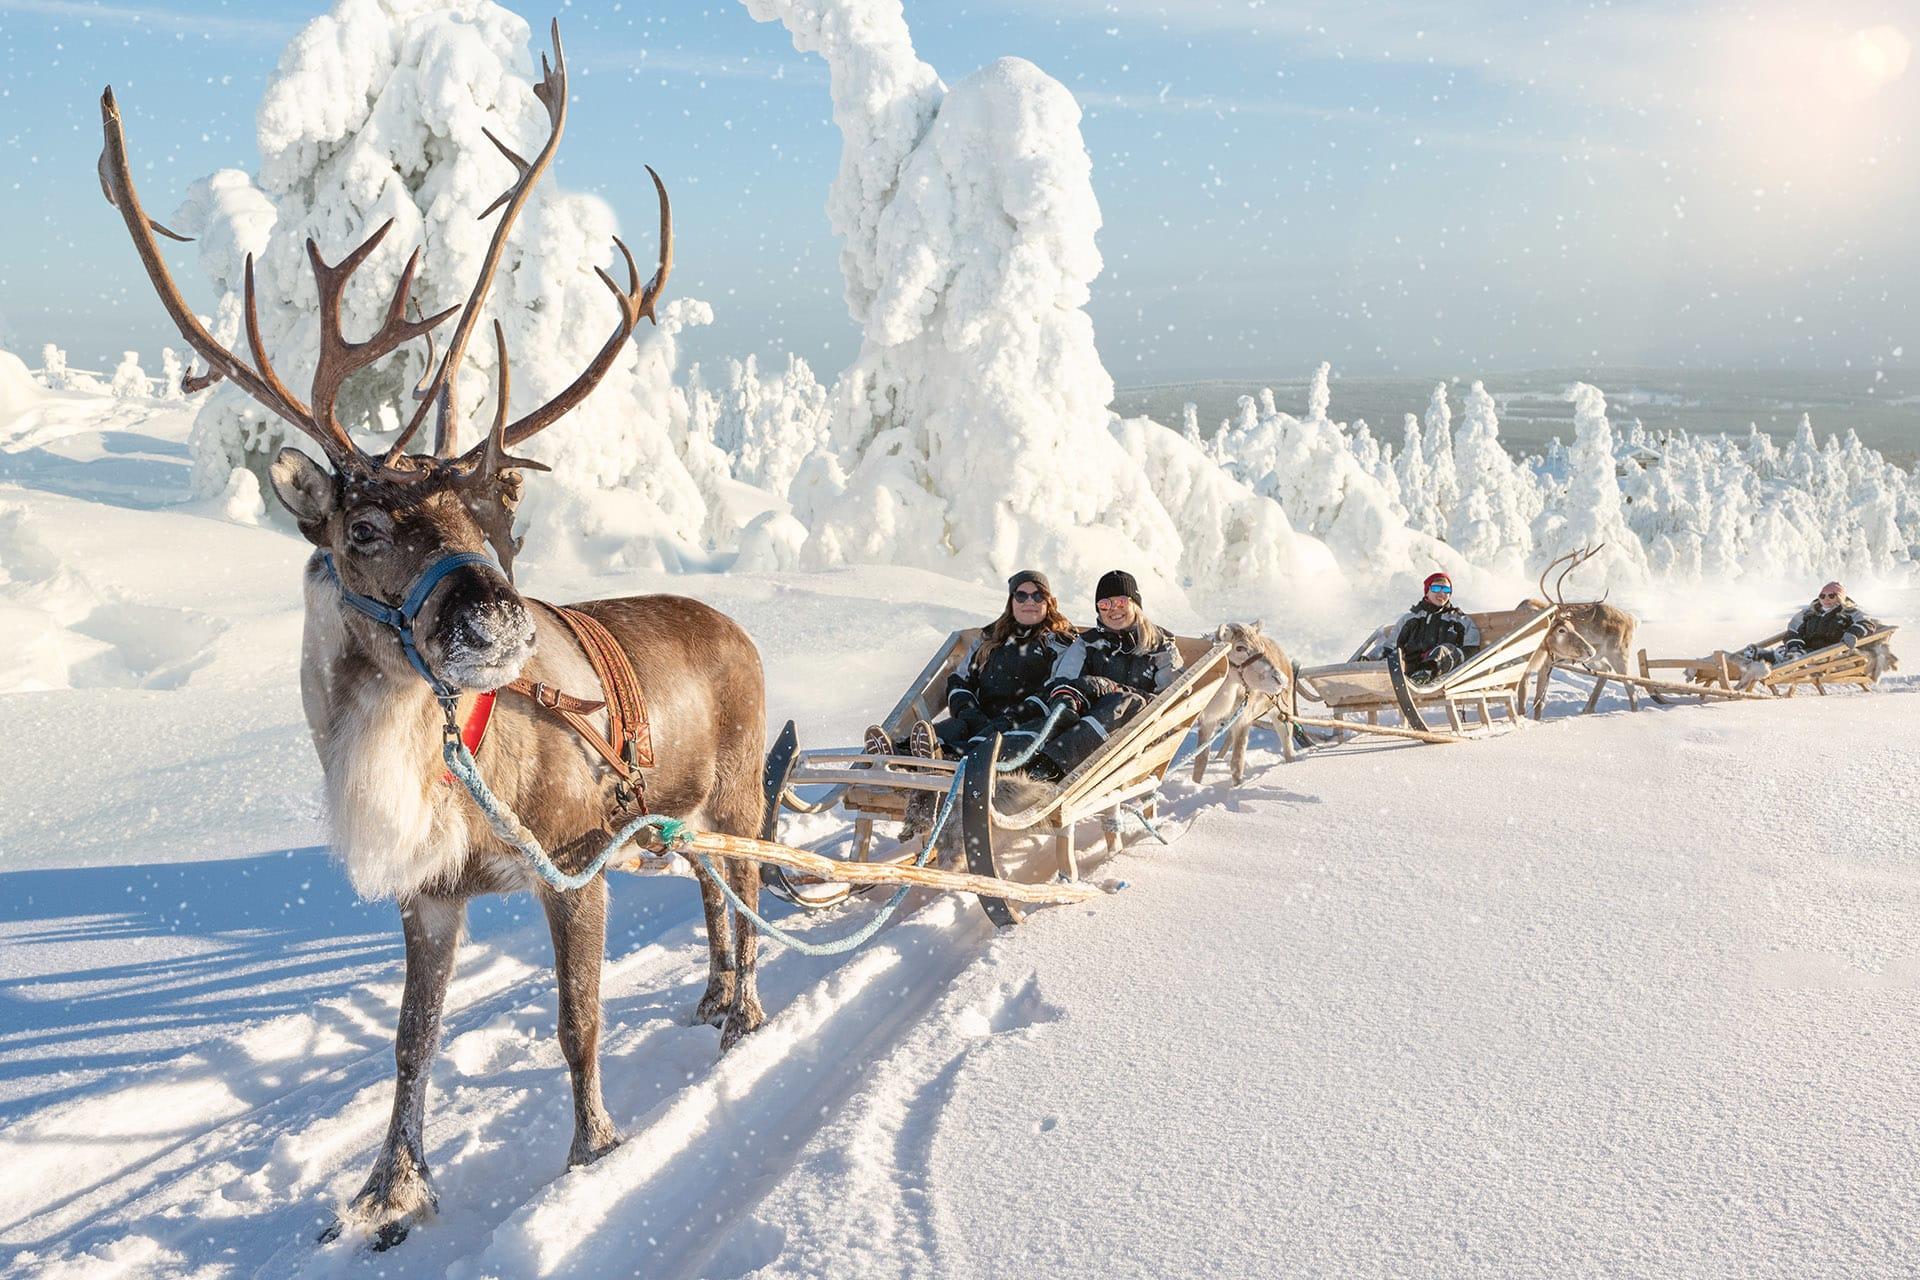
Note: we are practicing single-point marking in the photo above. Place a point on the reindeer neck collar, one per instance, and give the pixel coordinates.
(400, 617)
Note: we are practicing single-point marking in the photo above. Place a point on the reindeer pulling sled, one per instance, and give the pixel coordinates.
(866, 789)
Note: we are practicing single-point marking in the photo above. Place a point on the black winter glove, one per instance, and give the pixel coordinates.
(1070, 697)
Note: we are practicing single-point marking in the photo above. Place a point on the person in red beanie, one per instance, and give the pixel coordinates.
(1433, 637)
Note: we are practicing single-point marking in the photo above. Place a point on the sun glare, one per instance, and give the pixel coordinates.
(1860, 65)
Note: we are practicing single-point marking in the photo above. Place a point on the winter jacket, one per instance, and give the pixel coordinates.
(1103, 662)
(1812, 628)
(1425, 632)
(991, 690)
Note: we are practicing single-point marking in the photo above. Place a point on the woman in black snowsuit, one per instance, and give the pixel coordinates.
(996, 686)
(995, 689)
(1109, 674)
(1833, 618)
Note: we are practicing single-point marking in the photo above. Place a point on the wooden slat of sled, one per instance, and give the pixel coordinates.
(716, 845)
(1493, 674)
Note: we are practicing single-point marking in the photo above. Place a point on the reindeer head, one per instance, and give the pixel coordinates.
(397, 525)
(1253, 658)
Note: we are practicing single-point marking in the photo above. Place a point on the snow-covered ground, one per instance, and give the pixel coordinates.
(1623, 995)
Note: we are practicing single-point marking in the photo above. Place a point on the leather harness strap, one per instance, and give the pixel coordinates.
(628, 748)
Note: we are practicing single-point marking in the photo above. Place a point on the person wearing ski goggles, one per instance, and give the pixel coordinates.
(1433, 637)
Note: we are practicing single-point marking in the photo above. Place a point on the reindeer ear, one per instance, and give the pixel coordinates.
(1254, 627)
(305, 490)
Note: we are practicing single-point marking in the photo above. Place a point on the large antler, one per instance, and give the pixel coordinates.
(443, 393)
(634, 301)
(338, 357)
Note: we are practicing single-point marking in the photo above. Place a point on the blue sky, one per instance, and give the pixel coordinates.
(1428, 189)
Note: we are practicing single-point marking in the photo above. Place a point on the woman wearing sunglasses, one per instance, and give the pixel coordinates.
(1109, 674)
(1006, 666)
(1433, 637)
(1833, 618)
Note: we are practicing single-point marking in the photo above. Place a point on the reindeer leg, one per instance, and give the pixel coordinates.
(1205, 732)
(399, 1192)
(578, 923)
(1240, 732)
(744, 1015)
(713, 1006)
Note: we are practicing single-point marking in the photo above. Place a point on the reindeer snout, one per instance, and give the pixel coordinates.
(486, 634)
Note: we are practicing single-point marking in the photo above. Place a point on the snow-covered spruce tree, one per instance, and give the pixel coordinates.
(53, 367)
(1588, 511)
(1416, 479)
(376, 112)
(973, 422)
(1445, 482)
(1492, 526)
(129, 381)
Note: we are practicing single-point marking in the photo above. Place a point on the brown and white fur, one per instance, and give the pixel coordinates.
(402, 832)
(1257, 669)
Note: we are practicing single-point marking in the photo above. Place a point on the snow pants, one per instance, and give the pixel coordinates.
(1079, 738)
(959, 734)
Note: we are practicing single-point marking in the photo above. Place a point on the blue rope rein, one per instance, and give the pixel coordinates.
(460, 763)
(672, 834)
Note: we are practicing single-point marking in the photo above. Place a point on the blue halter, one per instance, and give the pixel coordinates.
(401, 618)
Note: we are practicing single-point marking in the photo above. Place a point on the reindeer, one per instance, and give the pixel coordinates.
(413, 527)
(1588, 633)
(1258, 672)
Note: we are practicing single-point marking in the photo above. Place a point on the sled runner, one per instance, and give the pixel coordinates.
(872, 789)
(1356, 691)
(1724, 672)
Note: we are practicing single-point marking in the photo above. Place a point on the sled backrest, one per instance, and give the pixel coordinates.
(1501, 623)
(927, 695)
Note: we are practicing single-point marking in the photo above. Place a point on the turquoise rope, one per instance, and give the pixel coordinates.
(460, 763)
(672, 835)
(841, 945)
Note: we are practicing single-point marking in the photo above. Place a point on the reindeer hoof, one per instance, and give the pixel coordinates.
(742, 1021)
(397, 1197)
(714, 1006)
(589, 1147)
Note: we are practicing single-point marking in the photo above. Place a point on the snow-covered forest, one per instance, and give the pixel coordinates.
(970, 435)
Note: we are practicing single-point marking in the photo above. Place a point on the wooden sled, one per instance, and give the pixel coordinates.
(1721, 674)
(1356, 691)
(872, 789)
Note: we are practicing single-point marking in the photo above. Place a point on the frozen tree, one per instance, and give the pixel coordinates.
(1589, 512)
(771, 423)
(1416, 480)
(53, 367)
(376, 112)
(974, 421)
(1190, 426)
(1309, 466)
(170, 371)
(1445, 482)
(129, 379)
(1492, 526)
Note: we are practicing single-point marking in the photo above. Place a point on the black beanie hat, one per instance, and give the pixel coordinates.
(1117, 582)
(1034, 576)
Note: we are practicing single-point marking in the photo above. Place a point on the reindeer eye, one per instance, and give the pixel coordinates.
(363, 533)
